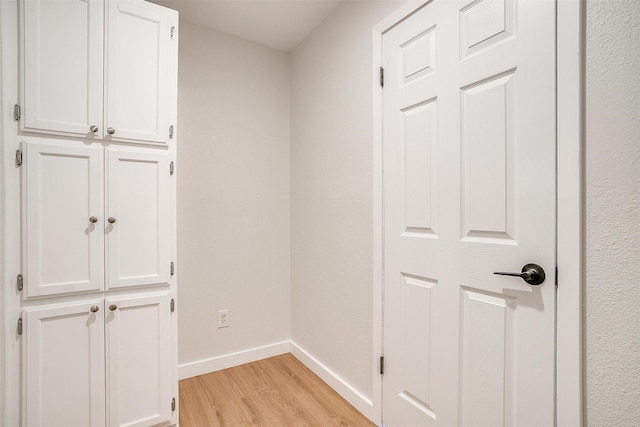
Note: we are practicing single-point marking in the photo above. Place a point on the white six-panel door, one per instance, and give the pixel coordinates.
(63, 202)
(137, 203)
(469, 189)
(138, 360)
(63, 369)
(63, 87)
(138, 48)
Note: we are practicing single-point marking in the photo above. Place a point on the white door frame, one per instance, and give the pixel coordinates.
(570, 208)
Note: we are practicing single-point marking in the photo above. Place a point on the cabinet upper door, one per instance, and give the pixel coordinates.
(63, 365)
(140, 38)
(139, 372)
(138, 218)
(62, 79)
(63, 218)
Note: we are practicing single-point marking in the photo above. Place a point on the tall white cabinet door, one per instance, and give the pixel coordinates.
(139, 39)
(138, 361)
(64, 223)
(63, 61)
(138, 219)
(64, 368)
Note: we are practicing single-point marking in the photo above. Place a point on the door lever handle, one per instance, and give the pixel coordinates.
(533, 274)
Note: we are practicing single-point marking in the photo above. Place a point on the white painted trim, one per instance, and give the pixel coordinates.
(378, 230)
(205, 366)
(11, 246)
(570, 243)
(570, 239)
(337, 383)
(378, 218)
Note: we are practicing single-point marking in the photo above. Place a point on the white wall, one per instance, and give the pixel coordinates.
(331, 191)
(233, 194)
(613, 213)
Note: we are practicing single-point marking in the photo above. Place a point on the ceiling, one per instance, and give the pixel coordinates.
(280, 24)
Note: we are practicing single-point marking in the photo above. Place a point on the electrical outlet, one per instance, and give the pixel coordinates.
(223, 318)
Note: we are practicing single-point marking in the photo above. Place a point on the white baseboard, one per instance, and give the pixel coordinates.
(201, 367)
(337, 383)
(342, 387)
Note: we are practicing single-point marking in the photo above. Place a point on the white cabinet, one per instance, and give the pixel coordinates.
(63, 193)
(64, 365)
(96, 289)
(98, 362)
(138, 361)
(66, 68)
(137, 200)
(72, 211)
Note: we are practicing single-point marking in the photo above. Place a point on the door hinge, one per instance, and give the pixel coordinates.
(171, 132)
(16, 112)
(173, 305)
(172, 268)
(20, 326)
(381, 365)
(556, 277)
(173, 404)
(381, 77)
(18, 157)
(173, 32)
(171, 168)
(20, 282)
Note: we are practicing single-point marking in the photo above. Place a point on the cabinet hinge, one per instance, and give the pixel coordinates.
(18, 157)
(171, 132)
(20, 326)
(172, 268)
(381, 77)
(173, 404)
(173, 32)
(16, 112)
(173, 305)
(20, 282)
(171, 168)
(381, 365)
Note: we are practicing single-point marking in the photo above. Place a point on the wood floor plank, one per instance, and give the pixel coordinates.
(274, 392)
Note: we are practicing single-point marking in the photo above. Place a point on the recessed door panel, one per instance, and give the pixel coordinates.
(138, 48)
(64, 365)
(63, 208)
(138, 364)
(137, 219)
(62, 65)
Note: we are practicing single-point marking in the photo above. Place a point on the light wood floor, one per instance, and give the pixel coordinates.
(275, 392)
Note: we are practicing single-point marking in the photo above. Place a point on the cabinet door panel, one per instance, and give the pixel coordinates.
(138, 40)
(63, 189)
(63, 63)
(64, 383)
(138, 240)
(139, 371)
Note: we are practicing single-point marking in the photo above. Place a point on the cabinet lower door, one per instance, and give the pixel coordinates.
(138, 219)
(63, 365)
(139, 371)
(63, 203)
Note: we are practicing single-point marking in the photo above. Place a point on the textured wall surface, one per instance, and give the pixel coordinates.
(613, 213)
(332, 190)
(233, 194)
